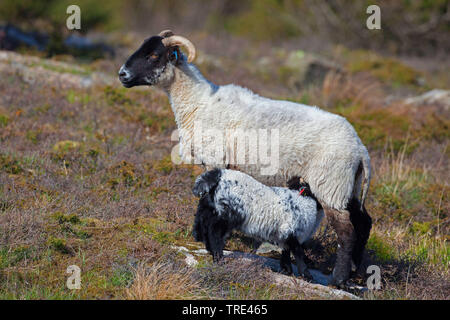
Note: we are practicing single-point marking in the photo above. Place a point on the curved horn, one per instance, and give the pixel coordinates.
(166, 33)
(180, 41)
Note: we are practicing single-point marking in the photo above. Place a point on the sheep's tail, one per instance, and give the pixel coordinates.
(366, 180)
(206, 182)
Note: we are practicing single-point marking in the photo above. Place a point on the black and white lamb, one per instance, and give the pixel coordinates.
(232, 200)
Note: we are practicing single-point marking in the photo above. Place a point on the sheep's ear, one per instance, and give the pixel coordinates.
(206, 182)
(174, 54)
(294, 183)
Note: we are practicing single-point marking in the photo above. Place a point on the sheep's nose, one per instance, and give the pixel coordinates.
(124, 74)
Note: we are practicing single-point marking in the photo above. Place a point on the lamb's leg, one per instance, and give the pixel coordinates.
(255, 245)
(341, 223)
(216, 237)
(285, 262)
(299, 255)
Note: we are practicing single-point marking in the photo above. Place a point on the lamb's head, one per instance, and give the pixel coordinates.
(153, 63)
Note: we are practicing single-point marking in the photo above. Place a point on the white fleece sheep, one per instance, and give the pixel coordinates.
(321, 147)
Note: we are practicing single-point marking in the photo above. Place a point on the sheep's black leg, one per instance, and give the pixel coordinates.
(285, 262)
(362, 224)
(340, 220)
(299, 255)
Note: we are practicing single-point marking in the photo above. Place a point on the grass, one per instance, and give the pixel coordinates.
(3, 120)
(388, 70)
(162, 281)
(86, 178)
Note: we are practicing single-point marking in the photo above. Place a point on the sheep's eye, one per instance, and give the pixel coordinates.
(153, 56)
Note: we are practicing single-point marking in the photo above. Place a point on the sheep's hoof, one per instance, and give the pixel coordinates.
(340, 284)
(286, 271)
(307, 275)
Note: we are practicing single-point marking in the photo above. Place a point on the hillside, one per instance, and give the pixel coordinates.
(86, 176)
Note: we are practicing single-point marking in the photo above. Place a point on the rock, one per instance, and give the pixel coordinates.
(190, 260)
(312, 289)
(266, 248)
(12, 38)
(57, 73)
(303, 69)
(435, 96)
(319, 288)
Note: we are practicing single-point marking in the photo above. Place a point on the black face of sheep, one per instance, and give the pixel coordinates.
(148, 64)
(145, 66)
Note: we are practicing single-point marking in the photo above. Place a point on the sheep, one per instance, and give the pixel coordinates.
(232, 200)
(309, 143)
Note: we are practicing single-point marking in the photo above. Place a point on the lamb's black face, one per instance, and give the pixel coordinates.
(147, 64)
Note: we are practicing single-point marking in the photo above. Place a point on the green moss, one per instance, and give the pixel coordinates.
(71, 96)
(429, 250)
(4, 120)
(156, 121)
(74, 96)
(121, 278)
(93, 153)
(43, 109)
(420, 228)
(58, 244)
(11, 257)
(381, 249)
(63, 218)
(63, 69)
(263, 20)
(116, 96)
(154, 192)
(242, 290)
(285, 73)
(403, 196)
(10, 164)
(385, 69)
(33, 135)
(435, 127)
(25, 290)
(165, 165)
(124, 172)
(62, 149)
(163, 237)
(378, 127)
(156, 228)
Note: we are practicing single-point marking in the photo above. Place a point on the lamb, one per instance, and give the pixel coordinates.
(232, 200)
(309, 143)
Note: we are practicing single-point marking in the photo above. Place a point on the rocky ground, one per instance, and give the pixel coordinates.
(86, 179)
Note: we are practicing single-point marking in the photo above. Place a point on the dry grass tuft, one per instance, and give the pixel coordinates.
(162, 281)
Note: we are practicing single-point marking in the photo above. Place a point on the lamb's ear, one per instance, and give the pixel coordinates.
(206, 182)
(200, 187)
